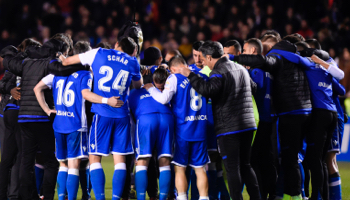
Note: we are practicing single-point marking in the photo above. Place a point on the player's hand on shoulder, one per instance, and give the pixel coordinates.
(148, 86)
(115, 102)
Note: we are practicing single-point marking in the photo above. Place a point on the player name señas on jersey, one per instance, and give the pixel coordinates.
(69, 101)
(113, 72)
(141, 103)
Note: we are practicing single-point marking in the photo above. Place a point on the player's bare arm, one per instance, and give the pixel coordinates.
(94, 98)
(39, 93)
(71, 60)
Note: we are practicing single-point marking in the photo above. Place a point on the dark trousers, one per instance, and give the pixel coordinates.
(262, 160)
(292, 129)
(323, 123)
(2, 132)
(235, 151)
(34, 135)
(10, 157)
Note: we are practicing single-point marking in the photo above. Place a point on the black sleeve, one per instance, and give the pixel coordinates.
(56, 68)
(49, 49)
(207, 88)
(5, 85)
(322, 54)
(266, 63)
(14, 64)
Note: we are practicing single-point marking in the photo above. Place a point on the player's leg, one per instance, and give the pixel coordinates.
(77, 150)
(331, 161)
(247, 172)
(164, 149)
(61, 155)
(181, 182)
(334, 176)
(198, 160)
(141, 178)
(46, 141)
(84, 179)
(99, 145)
(180, 160)
(229, 146)
(121, 146)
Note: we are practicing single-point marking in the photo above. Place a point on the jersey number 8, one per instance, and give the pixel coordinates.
(196, 100)
(68, 95)
(119, 82)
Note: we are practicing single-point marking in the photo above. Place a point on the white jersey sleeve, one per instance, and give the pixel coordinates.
(48, 80)
(88, 57)
(168, 92)
(335, 71)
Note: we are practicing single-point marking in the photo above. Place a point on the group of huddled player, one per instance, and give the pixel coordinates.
(197, 116)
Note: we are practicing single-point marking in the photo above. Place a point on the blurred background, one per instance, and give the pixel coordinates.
(176, 24)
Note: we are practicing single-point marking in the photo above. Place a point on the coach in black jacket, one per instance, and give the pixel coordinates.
(229, 88)
(35, 125)
(291, 99)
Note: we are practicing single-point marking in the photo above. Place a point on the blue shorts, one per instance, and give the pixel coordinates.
(337, 137)
(110, 135)
(71, 146)
(154, 131)
(211, 136)
(194, 154)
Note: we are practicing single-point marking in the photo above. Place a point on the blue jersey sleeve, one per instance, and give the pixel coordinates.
(86, 82)
(337, 88)
(258, 77)
(135, 70)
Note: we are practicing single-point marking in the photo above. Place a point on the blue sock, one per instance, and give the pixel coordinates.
(302, 175)
(39, 175)
(141, 182)
(61, 183)
(98, 180)
(164, 182)
(119, 177)
(73, 183)
(194, 189)
(222, 186)
(212, 176)
(335, 186)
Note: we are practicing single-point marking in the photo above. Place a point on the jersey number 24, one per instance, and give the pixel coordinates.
(119, 82)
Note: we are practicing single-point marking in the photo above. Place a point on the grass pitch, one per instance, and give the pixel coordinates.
(107, 163)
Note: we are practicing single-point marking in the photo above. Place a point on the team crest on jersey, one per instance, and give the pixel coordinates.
(75, 75)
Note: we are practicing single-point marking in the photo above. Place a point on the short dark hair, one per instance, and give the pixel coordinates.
(269, 38)
(313, 43)
(174, 52)
(160, 75)
(292, 39)
(299, 36)
(236, 44)
(255, 42)
(128, 45)
(66, 39)
(302, 45)
(196, 45)
(81, 47)
(272, 32)
(104, 45)
(212, 48)
(27, 43)
(176, 60)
